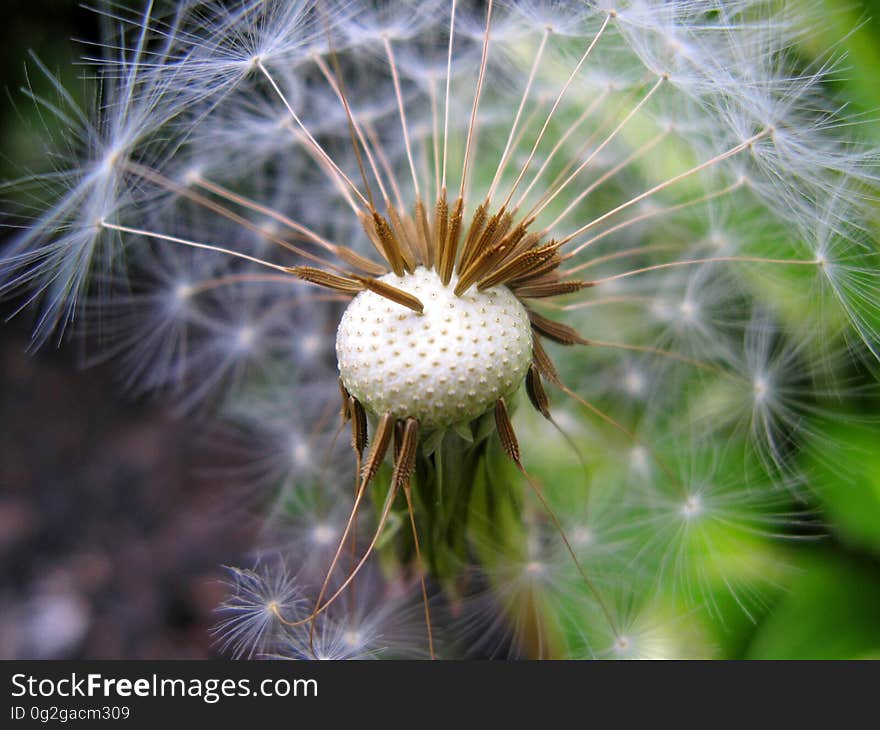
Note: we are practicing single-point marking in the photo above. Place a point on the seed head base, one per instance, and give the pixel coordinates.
(448, 364)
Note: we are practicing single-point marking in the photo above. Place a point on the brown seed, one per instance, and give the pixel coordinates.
(441, 224)
(360, 262)
(542, 361)
(358, 425)
(398, 438)
(537, 394)
(423, 234)
(450, 247)
(392, 293)
(320, 277)
(505, 431)
(473, 235)
(504, 223)
(406, 458)
(519, 266)
(390, 244)
(556, 331)
(540, 274)
(531, 240)
(401, 236)
(550, 289)
(481, 242)
(345, 413)
(369, 228)
(489, 258)
(381, 439)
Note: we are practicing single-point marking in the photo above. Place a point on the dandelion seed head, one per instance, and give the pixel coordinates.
(377, 623)
(689, 310)
(582, 536)
(652, 644)
(245, 337)
(762, 388)
(634, 382)
(680, 159)
(311, 345)
(691, 507)
(300, 452)
(251, 617)
(323, 534)
(182, 292)
(535, 568)
(639, 460)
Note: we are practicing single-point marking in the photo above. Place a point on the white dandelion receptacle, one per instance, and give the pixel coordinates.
(448, 364)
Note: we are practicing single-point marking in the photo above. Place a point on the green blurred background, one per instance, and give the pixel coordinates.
(828, 606)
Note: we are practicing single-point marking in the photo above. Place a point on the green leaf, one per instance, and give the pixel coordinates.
(844, 465)
(832, 612)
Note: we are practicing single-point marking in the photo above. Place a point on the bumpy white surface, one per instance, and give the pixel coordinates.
(446, 365)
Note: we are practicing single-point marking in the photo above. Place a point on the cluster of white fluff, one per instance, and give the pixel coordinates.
(702, 176)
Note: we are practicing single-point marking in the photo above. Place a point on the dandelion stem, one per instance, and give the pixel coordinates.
(635, 110)
(600, 301)
(477, 95)
(383, 518)
(193, 244)
(446, 100)
(349, 117)
(383, 161)
(505, 155)
(647, 216)
(651, 248)
(635, 155)
(402, 112)
(511, 448)
(212, 205)
(700, 364)
(133, 74)
(381, 439)
(710, 260)
(314, 143)
(244, 202)
(435, 134)
(595, 410)
(603, 606)
(555, 105)
(331, 172)
(325, 70)
(586, 114)
(407, 490)
(671, 181)
(219, 281)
